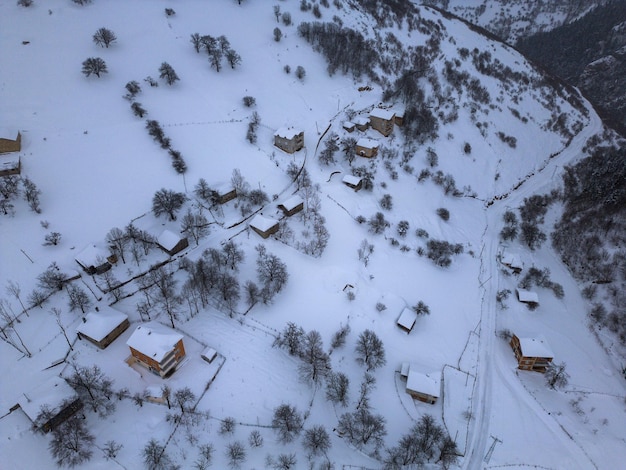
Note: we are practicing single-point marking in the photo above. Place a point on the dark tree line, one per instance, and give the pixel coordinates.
(11, 187)
(217, 49)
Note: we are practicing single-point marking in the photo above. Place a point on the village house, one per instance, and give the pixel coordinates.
(289, 139)
(527, 296)
(55, 396)
(157, 348)
(532, 353)
(361, 123)
(171, 243)
(407, 319)
(382, 120)
(421, 386)
(264, 226)
(348, 126)
(511, 261)
(10, 140)
(95, 260)
(366, 147)
(353, 182)
(399, 117)
(10, 165)
(224, 193)
(102, 327)
(292, 206)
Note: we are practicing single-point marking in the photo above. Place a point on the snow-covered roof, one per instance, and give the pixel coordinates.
(92, 256)
(361, 121)
(399, 112)
(9, 161)
(351, 179)
(420, 382)
(511, 260)
(287, 132)
(154, 340)
(168, 239)
(367, 143)
(154, 391)
(53, 392)
(209, 354)
(292, 202)
(527, 296)
(223, 188)
(8, 133)
(262, 223)
(535, 347)
(407, 318)
(380, 113)
(97, 325)
(348, 125)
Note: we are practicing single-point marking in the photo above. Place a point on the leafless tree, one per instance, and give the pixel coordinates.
(8, 328)
(370, 350)
(78, 298)
(287, 422)
(104, 37)
(94, 388)
(71, 443)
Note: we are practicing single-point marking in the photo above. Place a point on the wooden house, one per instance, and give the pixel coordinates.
(171, 243)
(55, 396)
(10, 140)
(264, 226)
(406, 320)
(292, 206)
(527, 296)
(353, 182)
(399, 117)
(511, 261)
(421, 386)
(348, 126)
(101, 328)
(95, 260)
(532, 353)
(10, 165)
(289, 139)
(382, 120)
(224, 193)
(366, 147)
(361, 123)
(157, 348)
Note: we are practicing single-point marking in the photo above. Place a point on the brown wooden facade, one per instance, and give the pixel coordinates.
(8, 144)
(526, 361)
(168, 363)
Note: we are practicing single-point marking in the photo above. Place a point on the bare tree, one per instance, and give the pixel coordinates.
(337, 387)
(14, 289)
(362, 427)
(8, 328)
(315, 361)
(78, 298)
(168, 73)
(287, 422)
(154, 456)
(195, 225)
(52, 238)
(52, 278)
(255, 439)
(291, 338)
(163, 285)
(94, 388)
(236, 454)
(168, 202)
(206, 457)
(71, 443)
(113, 286)
(370, 350)
(556, 376)
(272, 273)
(104, 37)
(94, 65)
(183, 398)
(118, 241)
(31, 194)
(111, 449)
(57, 314)
(316, 441)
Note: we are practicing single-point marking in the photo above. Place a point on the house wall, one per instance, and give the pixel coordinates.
(268, 232)
(229, 196)
(536, 364)
(290, 145)
(422, 397)
(365, 151)
(108, 339)
(293, 211)
(9, 145)
(148, 362)
(356, 187)
(384, 126)
(16, 170)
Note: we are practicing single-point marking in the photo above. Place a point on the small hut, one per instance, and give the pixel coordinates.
(527, 296)
(264, 226)
(366, 147)
(421, 386)
(407, 320)
(95, 260)
(353, 182)
(171, 243)
(292, 206)
(101, 328)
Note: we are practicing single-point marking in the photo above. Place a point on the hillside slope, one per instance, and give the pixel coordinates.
(482, 130)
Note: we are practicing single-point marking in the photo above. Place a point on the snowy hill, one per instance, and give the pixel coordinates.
(482, 131)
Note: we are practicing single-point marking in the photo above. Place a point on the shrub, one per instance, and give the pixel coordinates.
(443, 213)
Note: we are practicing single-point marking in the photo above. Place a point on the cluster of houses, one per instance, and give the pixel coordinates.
(10, 145)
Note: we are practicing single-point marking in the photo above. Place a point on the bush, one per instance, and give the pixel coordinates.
(440, 252)
(443, 213)
(249, 101)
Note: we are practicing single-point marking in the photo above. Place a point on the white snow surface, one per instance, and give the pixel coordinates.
(535, 346)
(98, 168)
(426, 383)
(168, 239)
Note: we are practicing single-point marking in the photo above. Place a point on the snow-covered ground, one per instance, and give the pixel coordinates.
(98, 168)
